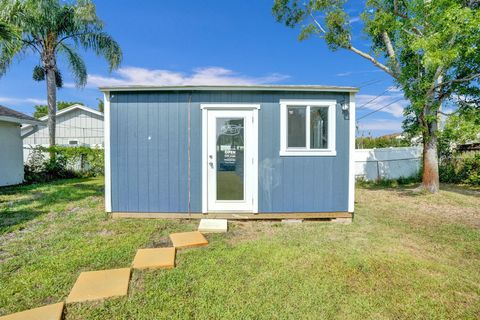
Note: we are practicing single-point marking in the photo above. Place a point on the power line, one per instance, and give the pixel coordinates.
(370, 113)
(369, 83)
(366, 103)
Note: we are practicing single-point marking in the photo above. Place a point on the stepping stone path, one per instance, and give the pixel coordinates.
(97, 285)
(50, 312)
(213, 225)
(156, 258)
(188, 240)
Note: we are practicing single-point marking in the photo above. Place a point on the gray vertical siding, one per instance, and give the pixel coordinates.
(149, 154)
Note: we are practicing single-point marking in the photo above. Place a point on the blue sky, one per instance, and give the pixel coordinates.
(214, 42)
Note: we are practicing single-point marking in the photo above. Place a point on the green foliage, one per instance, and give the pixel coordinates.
(461, 168)
(388, 183)
(381, 142)
(100, 105)
(459, 128)
(67, 162)
(7, 32)
(456, 167)
(40, 168)
(51, 28)
(430, 48)
(54, 29)
(42, 110)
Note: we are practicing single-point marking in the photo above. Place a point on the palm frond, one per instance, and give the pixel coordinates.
(103, 45)
(76, 64)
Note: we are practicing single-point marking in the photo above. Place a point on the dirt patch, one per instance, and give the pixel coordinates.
(106, 233)
(244, 231)
(163, 242)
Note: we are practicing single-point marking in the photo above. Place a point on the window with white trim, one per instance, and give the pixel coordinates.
(307, 127)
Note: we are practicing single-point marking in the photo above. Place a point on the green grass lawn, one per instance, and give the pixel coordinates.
(405, 256)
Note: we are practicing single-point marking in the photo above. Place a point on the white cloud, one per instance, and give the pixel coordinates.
(380, 125)
(355, 19)
(395, 103)
(159, 77)
(21, 101)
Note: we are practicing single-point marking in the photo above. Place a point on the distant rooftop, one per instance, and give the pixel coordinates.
(10, 115)
(310, 88)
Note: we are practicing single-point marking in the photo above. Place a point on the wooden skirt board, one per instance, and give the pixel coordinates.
(234, 216)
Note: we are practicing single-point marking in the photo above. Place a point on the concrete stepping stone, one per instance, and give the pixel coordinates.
(154, 258)
(188, 240)
(50, 312)
(213, 225)
(95, 285)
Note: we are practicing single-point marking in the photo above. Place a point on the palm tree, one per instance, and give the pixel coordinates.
(7, 32)
(53, 29)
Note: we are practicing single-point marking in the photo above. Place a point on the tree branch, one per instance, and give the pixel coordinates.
(316, 22)
(404, 16)
(372, 60)
(390, 51)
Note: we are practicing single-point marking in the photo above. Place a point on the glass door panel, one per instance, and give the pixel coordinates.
(230, 157)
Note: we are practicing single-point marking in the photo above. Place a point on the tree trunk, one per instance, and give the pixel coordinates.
(52, 103)
(430, 178)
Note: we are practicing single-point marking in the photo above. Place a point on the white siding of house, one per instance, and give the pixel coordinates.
(11, 155)
(78, 124)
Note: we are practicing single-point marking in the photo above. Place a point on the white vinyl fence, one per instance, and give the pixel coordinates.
(387, 163)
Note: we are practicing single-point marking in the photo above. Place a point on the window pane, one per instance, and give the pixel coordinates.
(297, 130)
(230, 164)
(318, 127)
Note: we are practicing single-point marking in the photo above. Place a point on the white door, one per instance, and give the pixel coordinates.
(231, 160)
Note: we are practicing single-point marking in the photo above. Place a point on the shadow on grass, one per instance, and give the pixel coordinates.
(32, 201)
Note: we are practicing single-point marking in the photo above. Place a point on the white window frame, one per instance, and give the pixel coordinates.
(285, 151)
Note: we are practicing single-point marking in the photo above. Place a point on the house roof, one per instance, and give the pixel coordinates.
(70, 109)
(310, 88)
(10, 115)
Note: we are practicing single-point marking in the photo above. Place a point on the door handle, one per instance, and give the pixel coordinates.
(211, 164)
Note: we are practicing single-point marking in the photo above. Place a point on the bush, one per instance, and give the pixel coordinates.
(461, 168)
(66, 162)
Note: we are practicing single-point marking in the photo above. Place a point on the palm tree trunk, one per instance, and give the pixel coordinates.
(52, 104)
(430, 178)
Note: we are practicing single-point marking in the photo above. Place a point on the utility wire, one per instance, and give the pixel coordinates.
(369, 83)
(366, 103)
(374, 111)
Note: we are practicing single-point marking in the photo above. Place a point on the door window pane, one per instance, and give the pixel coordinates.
(297, 131)
(230, 158)
(318, 127)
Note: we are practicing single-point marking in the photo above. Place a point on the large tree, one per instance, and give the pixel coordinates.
(429, 48)
(52, 29)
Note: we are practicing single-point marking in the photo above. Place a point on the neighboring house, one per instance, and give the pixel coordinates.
(11, 148)
(76, 125)
(262, 152)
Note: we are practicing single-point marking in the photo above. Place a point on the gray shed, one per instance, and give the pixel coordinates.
(262, 152)
(11, 154)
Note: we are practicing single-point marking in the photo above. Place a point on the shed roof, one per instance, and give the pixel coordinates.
(10, 115)
(310, 88)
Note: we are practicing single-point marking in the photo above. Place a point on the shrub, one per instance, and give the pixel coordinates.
(66, 162)
(461, 168)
